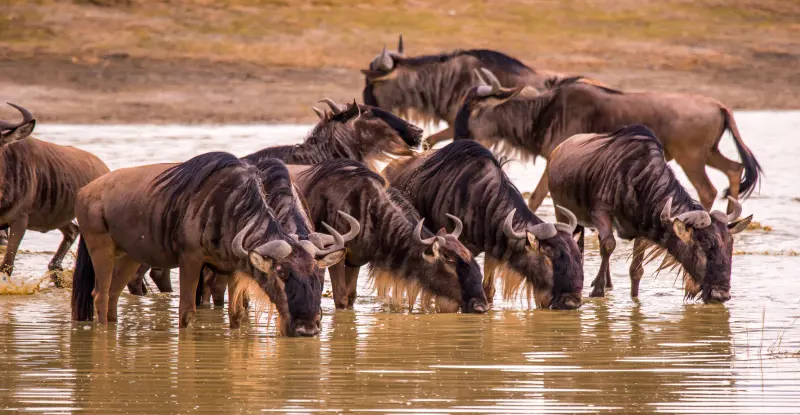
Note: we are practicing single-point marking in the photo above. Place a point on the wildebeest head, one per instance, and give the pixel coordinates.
(289, 272)
(548, 252)
(453, 256)
(703, 243)
(11, 132)
(481, 99)
(374, 129)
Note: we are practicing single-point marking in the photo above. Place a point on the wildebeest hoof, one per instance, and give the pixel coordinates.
(597, 293)
(219, 303)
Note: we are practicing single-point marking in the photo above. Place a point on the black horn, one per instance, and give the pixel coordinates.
(26, 118)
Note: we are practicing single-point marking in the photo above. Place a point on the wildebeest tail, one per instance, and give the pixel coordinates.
(752, 170)
(83, 285)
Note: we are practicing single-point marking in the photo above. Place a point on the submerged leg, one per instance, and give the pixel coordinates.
(137, 286)
(489, 265)
(217, 287)
(160, 276)
(731, 169)
(189, 278)
(124, 271)
(102, 250)
(70, 233)
(637, 266)
(15, 233)
(538, 195)
(351, 279)
(235, 301)
(338, 285)
(602, 221)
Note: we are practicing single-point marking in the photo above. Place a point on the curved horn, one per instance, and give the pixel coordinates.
(385, 61)
(737, 209)
(481, 80)
(26, 118)
(355, 227)
(570, 226)
(308, 246)
(276, 249)
(544, 231)
(418, 234)
(400, 48)
(697, 218)
(493, 81)
(508, 227)
(338, 243)
(332, 104)
(459, 226)
(319, 112)
(237, 245)
(355, 104)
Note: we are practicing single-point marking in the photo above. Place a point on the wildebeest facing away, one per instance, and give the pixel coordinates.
(208, 211)
(431, 88)
(291, 212)
(357, 132)
(38, 185)
(689, 126)
(400, 250)
(622, 181)
(466, 179)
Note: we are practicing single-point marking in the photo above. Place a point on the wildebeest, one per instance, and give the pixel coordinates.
(357, 132)
(622, 181)
(208, 211)
(291, 212)
(466, 179)
(689, 126)
(431, 88)
(38, 185)
(393, 240)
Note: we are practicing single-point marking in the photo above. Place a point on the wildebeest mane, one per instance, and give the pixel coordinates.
(344, 168)
(288, 205)
(489, 58)
(579, 79)
(218, 186)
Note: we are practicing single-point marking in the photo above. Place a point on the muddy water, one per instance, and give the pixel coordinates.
(658, 354)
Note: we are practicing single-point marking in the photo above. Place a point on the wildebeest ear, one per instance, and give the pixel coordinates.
(442, 232)
(576, 234)
(739, 225)
(682, 231)
(533, 243)
(331, 259)
(263, 264)
(18, 133)
(431, 253)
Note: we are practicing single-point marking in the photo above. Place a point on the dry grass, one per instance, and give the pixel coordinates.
(757, 226)
(743, 52)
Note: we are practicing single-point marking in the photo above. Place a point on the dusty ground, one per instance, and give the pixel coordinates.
(270, 60)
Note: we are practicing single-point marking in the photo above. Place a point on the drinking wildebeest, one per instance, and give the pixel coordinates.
(357, 132)
(622, 181)
(38, 185)
(430, 88)
(689, 126)
(466, 179)
(208, 211)
(400, 250)
(291, 211)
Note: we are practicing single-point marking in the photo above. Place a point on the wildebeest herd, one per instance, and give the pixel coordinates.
(280, 216)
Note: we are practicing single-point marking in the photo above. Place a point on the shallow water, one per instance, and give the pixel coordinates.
(657, 354)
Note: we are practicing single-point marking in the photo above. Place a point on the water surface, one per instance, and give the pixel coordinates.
(655, 354)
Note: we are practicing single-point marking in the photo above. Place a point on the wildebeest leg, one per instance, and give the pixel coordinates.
(338, 285)
(490, 263)
(190, 269)
(445, 134)
(731, 169)
(235, 300)
(538, 195)
(602, 221)
(102, 250)
(351, 278)
(637, 267)
(217, 288)
(696, 172)
(136, 285)
(160, 276)
(16, 231)
(124, 271)
(3, 237)
(70, 233)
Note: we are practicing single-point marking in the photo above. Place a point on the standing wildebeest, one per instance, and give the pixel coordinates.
(38, 185)
(393, 239)
(291, 211)
(622, 181)
(357, 132)
(466, 179)
(208, 211)
(431, 88)
(689, 126)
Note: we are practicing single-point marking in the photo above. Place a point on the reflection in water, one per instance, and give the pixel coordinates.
(655, 354)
